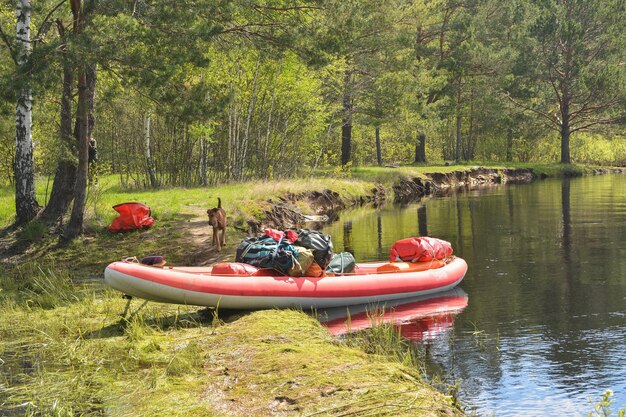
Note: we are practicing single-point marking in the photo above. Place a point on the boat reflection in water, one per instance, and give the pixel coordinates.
(418, 318)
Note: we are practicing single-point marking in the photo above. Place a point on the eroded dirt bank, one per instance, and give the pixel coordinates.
(311, 208)
(294, 210)
(409, 189)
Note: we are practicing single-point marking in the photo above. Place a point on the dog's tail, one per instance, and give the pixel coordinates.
(219, 202)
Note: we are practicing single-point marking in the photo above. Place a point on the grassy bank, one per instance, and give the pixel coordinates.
(67, 352)
(181, 230)
(388, 176)
(249, 199)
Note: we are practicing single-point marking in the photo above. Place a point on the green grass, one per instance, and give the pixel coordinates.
(550, 170)
(388, 176)
(244, 199)
(80, 358)
(176, 211)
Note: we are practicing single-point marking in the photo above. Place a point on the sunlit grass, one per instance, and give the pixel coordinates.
(388, 176)
(81, 358)
(168, 203)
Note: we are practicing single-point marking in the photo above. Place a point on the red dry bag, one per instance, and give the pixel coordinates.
(132, 216)
(419, 249)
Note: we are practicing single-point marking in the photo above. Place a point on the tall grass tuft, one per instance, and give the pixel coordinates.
(385, 339)
(32, 285)
(32, 231)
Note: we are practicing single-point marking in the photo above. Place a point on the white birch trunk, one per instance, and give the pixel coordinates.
(269, 122)
(149, 162)
(24, 170)
(246, 138)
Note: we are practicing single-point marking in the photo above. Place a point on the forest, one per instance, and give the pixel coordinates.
(203, 92)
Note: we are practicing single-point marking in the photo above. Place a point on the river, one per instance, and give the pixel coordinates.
(541, 327)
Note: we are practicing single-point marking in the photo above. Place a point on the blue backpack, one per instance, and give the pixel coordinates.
(265, 252)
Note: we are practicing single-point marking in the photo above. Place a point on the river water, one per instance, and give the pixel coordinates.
(538, 326)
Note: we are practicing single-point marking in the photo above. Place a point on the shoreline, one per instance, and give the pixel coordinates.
(402, 190)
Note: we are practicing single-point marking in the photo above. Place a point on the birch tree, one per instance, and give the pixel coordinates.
(148, 144)
(26, 205)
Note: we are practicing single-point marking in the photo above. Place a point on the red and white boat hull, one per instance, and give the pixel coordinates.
(197, 286)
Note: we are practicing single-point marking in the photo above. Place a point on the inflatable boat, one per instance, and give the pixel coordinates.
(416, 318)
(210, 286)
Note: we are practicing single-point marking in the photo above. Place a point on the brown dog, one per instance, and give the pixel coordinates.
(217, 219)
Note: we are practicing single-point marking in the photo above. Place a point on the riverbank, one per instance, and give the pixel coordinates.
(64, 349)
(79, 358)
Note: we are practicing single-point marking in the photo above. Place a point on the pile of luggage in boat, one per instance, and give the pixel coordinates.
(309, 253)
(295, 252)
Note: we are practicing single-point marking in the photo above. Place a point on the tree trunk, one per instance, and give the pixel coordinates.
(26, 205)
(149, 163)
(346, 128)
(379, 157)
(62, 192)
(75, 226)
(204, 162)
(420, 149)
(243, 156)
(233, 133)
(457, 153)
(470, 132)
(85, 123)
(509, 145)
(265, 146)
(566, 99)
(565, 132)
(65, 176)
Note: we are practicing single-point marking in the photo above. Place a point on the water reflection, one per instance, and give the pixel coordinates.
(422, 223)
(347, 237)
(567, 228)
(546, 327)
(420, 318)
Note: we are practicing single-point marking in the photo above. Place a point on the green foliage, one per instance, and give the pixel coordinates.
(604, 407)
(575, 77)
(599, 150)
